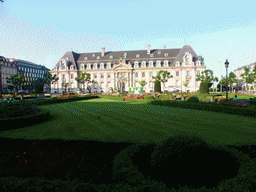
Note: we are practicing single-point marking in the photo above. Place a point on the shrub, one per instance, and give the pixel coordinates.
(157, 86)
(204, 87)
(149, 97)
(193, 99)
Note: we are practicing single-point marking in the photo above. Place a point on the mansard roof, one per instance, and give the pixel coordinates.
(173, 56)
(250, 65)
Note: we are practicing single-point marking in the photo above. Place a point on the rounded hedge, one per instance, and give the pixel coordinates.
(193, 99)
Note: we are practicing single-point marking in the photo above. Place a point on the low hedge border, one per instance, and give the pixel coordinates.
(24, 121)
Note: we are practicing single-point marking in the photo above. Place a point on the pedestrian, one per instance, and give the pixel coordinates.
(235, 98)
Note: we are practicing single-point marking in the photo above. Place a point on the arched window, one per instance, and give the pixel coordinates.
(150, 63)
(143, 63)
(108, 65)
(158, 63)
(166, 63)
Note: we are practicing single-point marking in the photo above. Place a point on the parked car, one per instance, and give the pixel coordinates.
(22, 91)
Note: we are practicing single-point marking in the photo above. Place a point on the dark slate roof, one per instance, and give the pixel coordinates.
(173, 56)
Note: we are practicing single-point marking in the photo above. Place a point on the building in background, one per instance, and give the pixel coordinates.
(125, 69)
(8, 69)
(242, 83)
(29, 70)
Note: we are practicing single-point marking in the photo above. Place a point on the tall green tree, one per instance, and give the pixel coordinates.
(207, 75)
(248, 77)
(186, 83)
(143, 83)
(38, 84)
(16, 80)
(82, 78)
(201, 57)
(231, 80)
(163, 77)
(2, 1)
(11, 87)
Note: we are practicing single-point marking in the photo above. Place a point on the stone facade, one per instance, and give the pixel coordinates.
(124, 69)
(240, 71)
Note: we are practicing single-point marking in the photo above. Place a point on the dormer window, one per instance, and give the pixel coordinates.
(159, 52)
(98, 57)
(89, 66)
(158, 63)
(151, 55)
(110, 57)
(136, 64)
(102, 65)
(85, 58)
(166, 54)
(66, 58)
(125, 54)
(137, 55)
(93, 55)
(95, 66)
(71, 67)
(82, 66)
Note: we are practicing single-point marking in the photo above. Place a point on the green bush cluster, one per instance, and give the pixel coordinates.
(10, 109)
(204, 87)
(193, 99)
(149, 97)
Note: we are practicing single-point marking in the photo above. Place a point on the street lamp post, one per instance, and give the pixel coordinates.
(2, 59)
(226, 65)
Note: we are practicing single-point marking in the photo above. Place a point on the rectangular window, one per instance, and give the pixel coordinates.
(177, 73)
(108, 75)
(102, 76)
(71, 76)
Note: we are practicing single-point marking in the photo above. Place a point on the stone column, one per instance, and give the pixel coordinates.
(114, 80)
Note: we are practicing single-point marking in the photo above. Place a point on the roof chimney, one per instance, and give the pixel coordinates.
(102, 51)
(148, 52)
(164, 47)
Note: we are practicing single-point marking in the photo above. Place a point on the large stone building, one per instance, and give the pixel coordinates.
(30, 70)
(242, 83)
(125, 69)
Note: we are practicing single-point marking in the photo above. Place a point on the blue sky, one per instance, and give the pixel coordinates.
(42, 31)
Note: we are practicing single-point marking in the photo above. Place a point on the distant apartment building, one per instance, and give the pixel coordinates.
(29, 70)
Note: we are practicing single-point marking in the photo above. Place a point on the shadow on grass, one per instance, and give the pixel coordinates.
(181, 164)
(59, 159)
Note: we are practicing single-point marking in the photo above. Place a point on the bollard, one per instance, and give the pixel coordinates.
(212, 99)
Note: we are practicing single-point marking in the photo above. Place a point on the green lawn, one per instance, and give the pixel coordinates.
(138, 123)
(111, 120)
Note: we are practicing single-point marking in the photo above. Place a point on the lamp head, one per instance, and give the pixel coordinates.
(226, 63)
